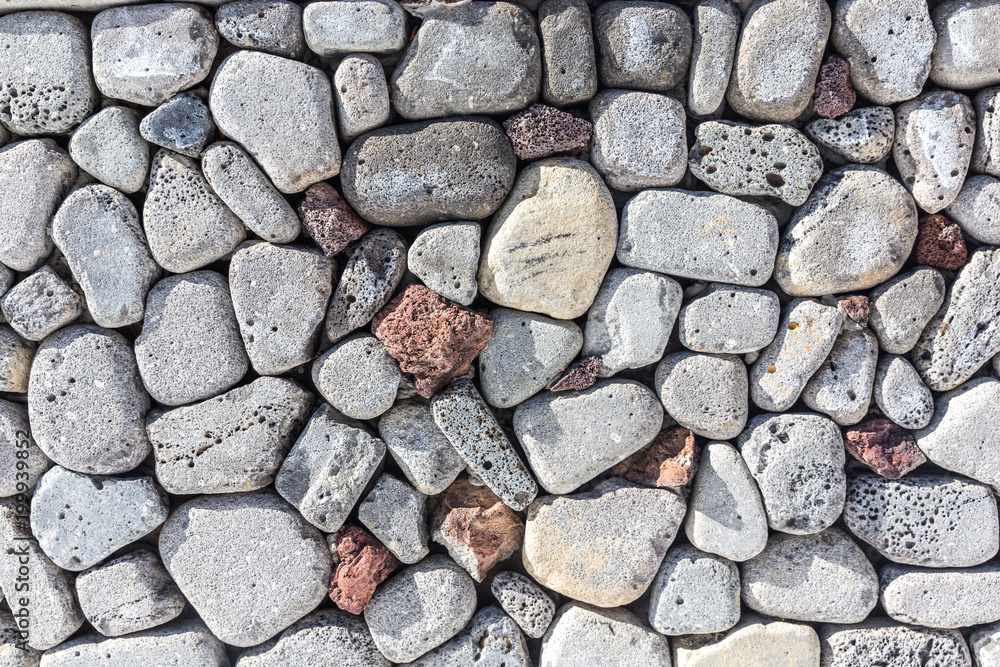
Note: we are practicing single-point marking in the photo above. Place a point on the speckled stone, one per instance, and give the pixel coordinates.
(976, 209)
(188, 642)
(272, 26)
(705, 393)
(901, 394)
(694, 593)
(863, 136)
(445, 257)
(842, 387)
(940, 244)
(396, 513)
(941, 598)
(756, 640)
(716, 29)
(642, 45)
(40, 304)
(334, 29)
(569, 67)
(884, 447)
(986, 149)
(670, 460)
(330, 220)
(530, 606)
(324, 638)
(358, 377)
(419, 447)
(900, 308)
(541, 131)
(834, 94)
(963, 55)
(361, 94)
(22, 462)
(181, 124)
(586, 636)
(729, 319)
(880, 640)
(108, 146)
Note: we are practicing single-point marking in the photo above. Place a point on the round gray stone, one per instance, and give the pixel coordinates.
(963, 55)
(900, 393)
(900, 308)
(361, 94)
(421, 450)
(941, 598)
(862, 135)
(40, 304)
(445, 257)
(694, 593)
(181, 124)
(271, 26)
(705, 393)
(716, 27)
(882, 641)
(642, 45)
(530, 606)
(108, 146)
(569, 67)
(729, 319)
(842, 387)
(585, 636)
(22, 462)
(335, 29)
(976, 209)
(187, 642)
(325, 638)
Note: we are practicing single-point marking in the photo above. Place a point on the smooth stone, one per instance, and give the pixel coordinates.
(15, 361)
(325, 638)
(108, 146)
(570, 438)
(445, 258)
(422, 451)
(396, 513)
(491, 638)
(900, 393)
(881, 641)
(40, 304)
(22, 462)
(86, 401)
(694, 593)
(271, 26)
(181, 124)
(586, 636)
(188, 642)
(963, 55)
(842, 387)
(900, 308)
(281, 112)
(716, 28)
(569, 66)
(361, 94)
(642, 45)
(976, 209)
(986, 148)
(862, 136)
(530, 606)
(699, 224)
(585, 548)
(728, 319)
(934, 598)
(705, 393)
(334, 29)
(755, 642)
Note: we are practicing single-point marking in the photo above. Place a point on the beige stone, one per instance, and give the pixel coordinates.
(754, 642)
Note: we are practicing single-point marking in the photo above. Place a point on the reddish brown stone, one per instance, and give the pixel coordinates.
(540, 131)
(940, 243)
(364, 564)
(579, 375)
(329, 219)
(670, 460)
(884, 447)
(477, 528)
(431, 337)
(856, 308)
(834, 93)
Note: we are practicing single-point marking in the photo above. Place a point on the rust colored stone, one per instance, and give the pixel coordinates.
(431, 337)
(540, 131)
(580, 375)
(884, 447)
(856, 308)
(329, 219)
(834, 93)
(940, 243)
(364, 564)
(477, 528)
(670, 460)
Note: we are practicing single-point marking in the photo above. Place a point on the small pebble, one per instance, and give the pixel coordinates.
(900, 393)
(188, 642)
(842, 387)
(445, 257)
(108, 146)
(934, 598)
(541, 131)
(694, 593)
(324, 638)
(729, 319)
(884, 447)
(834, 94)
(530, 606)
(963, 55)
(492, 637)
(335, 29)
(863, 136)
(396, 513)
(181, 124)
(569, 67)
(22, 462)
(329, 220)
(586, 636)
(421, 450)
(705, 393)
(271, 26)
(976, 209)
(642, 45)
(716, 28)
(669, 461)
(755, 640)
(362, 564)
(579, 375)
(882, 641)
(358, 377)
(900, 308)
(940, 244)
(361, 94)
(40, 304)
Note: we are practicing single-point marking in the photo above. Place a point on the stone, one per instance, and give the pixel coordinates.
(902, 307)
(418, 446)
(420, 608)
(773, 89)
(940, 244)
(806, 334)
(35, 175)
(983, 643)
(524, 353)
(694, 593)
(181, 124)
(22, 462)
(705, 393)
(888, 47)
(893, 516)
(842, 387)
(669, 461)
(358, 377)
(882, 641)
(325, 638)
(190, 347)
(492, 638)
(964, 334)
(98, 232)
(104, 514)
(362, 564)
(579, 375)
(571, 438)
(976, 209)
(854, 232)
(129, 594)
(541, 131)
(863, 135)
(335, 29)
(756, 641)
(586, 636)
(40, 304)
(330, 220)
(86, 401)
(962, 56)
(639, 138)
(361, 94)
(935, 598)
(462, 415)
(6, 279)
(694, 223)
(583, 547)
(445, 258)
(247, 563)
(187, 642)
(530, 606)
(281, 112)
(884, 447)
(986, 148)
(108, 146)
(834, 94)
(737, 159)
(900, 393)
(46, 85)
(149, 53)
(13, 652)
(854, 309)
(234, 442)
(730, 320)
(569, 67)
(716, 28)
(328, 468)
(419, 8)
(278, 31)
(396, 513)
(642, 45)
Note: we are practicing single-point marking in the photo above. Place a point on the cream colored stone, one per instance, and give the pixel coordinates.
(754, 642)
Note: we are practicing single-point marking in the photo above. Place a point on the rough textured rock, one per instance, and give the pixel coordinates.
(940, 244)
(984, 644)
(396, 513)
(705, 393)
(358, 377)
(842, 387)
(445, 257)
(729, 319)
(334, 29)
(587, 636)
(834, 94)
(419, 447)
(362, 564)
(901, 394)
(361, 94)
(716, 27)
(569, 67)
(187, 642)
(977, 209)
(271, 26)
(963, 55)
(986, 148)
(326, 638)
(13, 651)
(670, 460)
(863, 135)
(883, 641)
(541, 131)
(884, 447)
(901, 308)
(642, 45)
(40, 304)
(530, 607)
(23, 462)
(491, 638)
(694, 593)
(181, 124)
(579, 375)
(756, 641)
(936, 598)
(108, 146)
(330, 220)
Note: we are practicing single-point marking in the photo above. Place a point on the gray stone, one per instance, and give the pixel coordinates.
(694, 593)
(361, 93)
(900, 308)
(6, 279)
(22, 462)
(729, 319)
(181, 124)
(186, 642)
(35, 175)
(460, 412)
(862, 135)
(271, 26)
(396, 513)
(807, 333)
(420, 608)
(643, 45)
(108, 146)
(900, 393)
(279, 297)
(895, 517)
(569, 67)
(530, 606)
(281, 112)
(695, 222)
(80, 520)
(756, 641)
(445, 258)
(936, 598)
(190, 347)
(630, 322)
(881, 641)
(248, 193)
(842, 387)
(354, 26)
(15, 361)
(585, 636)
(98, 232)
(963, 55)
(426, 172)
(976, 209)
(986, 148)
(602, 547)
(86, 401)
(247, 563)
(777, 59)
(129, 594)
(149, 53)
(231, 443)
(325, 638)
(328, 468)
(716, 27)
(570, 438)
(187, 225)
(639, 139)
(985, 645)
(705, 393)
(491, 639)
(358, 377)
(14, 653)
(40, 304)
(421, 450)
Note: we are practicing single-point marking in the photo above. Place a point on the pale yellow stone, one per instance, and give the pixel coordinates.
(754, 642)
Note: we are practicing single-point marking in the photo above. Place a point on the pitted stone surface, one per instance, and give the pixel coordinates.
(108, 146)
(334, 29)
(705, 393)
(716, 28)
(863, 135)
(900, 308)
(729, 319)
(842, 387)
(694, 593)
(272, 26)
(569, 67)
(883, 641)
(941, 598)
(977, 209)
(900, 393)
(420, 448)
(530, 607)
(588, 636)
(642, 45)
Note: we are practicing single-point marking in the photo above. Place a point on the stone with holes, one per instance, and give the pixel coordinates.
(884, 447)
(362, 564)
(40, 304)
(694, 593)
(642, 45)
(14, 652)
(445, 258)
(834, 94)
(985, 644)
(361, 94)
(330, 220)
(541, 131)
(108, 146)
(729, 319)
(181, 124)
(941, 598)
(703, 392)
(863, 136)
(272, 26)
(883, 641)
(976, 209)
(900, 393)
(419, 447)
(569, 68)
(530, 606)
(22, 462)
(986, 149)
(491, 638)
(940, 244)
(716, 28)
(842, 387)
